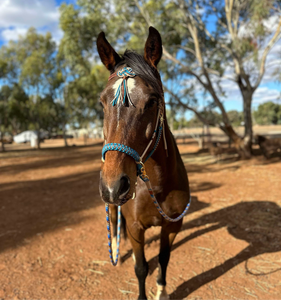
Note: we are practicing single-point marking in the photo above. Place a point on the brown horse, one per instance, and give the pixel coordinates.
(132, 123)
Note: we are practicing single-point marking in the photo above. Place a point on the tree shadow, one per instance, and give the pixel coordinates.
(31, 207)
(22, 152)
(205, 186)
(254, 222)
(68, 158)
(208, 168)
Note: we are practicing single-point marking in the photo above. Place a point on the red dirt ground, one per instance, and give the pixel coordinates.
(53, 242)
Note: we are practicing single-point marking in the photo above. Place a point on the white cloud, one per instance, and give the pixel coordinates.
(264, 94)
(21, 13)
(13, 34)
(16, 16)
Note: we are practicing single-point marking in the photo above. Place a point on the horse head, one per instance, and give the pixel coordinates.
(133, 104)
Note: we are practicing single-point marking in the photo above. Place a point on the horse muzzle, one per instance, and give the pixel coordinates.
(117, 192)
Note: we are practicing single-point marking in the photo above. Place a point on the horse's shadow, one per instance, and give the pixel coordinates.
(256, 222)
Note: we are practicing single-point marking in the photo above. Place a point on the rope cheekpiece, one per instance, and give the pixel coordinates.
(125, 73)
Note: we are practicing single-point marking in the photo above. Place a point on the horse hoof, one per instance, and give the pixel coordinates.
(161, 293)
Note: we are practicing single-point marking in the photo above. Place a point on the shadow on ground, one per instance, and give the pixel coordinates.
(256, 222)
(68, 158)
(31, 207)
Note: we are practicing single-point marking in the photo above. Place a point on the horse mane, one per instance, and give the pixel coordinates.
(142, 69)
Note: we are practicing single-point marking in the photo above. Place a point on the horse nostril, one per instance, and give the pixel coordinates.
(124, 186)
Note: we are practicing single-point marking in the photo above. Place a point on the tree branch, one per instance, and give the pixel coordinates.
(271, 43)
(193, 31)
(165, 52)
(185, 106)
(228, 13)
(187, 49)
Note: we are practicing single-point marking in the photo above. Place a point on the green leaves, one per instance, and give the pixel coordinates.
(268, 113)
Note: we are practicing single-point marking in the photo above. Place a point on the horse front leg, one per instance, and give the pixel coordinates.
(136, 237)
(168, 234)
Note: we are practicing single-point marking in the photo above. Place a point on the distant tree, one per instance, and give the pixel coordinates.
(268, 113)
(38, 75)
(235, 117)
(4, 114)
(8, 77)
(208, 115)
(83, 78)
(18, 114)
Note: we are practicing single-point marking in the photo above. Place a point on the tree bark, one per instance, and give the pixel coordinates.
(38, 139)
(248, 123)
(64, 136)
(2, 142)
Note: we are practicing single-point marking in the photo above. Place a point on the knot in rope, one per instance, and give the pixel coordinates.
(122, 90)
(126, 72)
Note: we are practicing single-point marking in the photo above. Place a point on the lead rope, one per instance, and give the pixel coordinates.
(113, 261)
(145, 178)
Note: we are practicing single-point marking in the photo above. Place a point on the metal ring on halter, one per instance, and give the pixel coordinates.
(142, 170)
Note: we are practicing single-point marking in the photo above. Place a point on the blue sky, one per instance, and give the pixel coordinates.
(16, 16)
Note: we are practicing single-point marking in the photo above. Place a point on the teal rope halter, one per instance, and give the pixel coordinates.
(126, 73)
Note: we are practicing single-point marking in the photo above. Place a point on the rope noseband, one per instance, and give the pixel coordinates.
(120, 97)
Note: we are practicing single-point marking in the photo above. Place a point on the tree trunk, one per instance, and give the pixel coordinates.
(248, 124)
(38, 139)
(2, 142)
(64, 136)
(239, 143)
(203, 136)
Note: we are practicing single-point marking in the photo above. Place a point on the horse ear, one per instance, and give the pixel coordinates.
(107, 54)
(153, 47)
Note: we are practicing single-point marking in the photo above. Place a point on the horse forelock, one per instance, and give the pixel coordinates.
(142, 69)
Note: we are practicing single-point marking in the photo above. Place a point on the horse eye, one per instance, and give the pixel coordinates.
(150, 103)
(101, 104)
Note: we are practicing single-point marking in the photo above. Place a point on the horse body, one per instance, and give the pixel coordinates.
(133, 126)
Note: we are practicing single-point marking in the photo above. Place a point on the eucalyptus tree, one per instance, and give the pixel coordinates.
(268, 113)
(83, 79)
(9, 93)
(4, 114)
(209, 44)
(38, 74)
